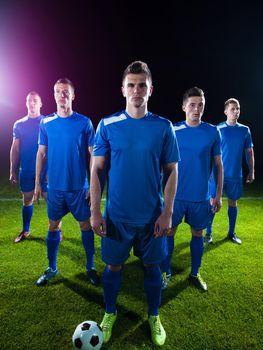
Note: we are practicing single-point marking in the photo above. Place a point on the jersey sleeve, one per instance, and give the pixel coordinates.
(248, 140)
(42, 136)
(170, 152)
(216, 149)
(89, 134)
(101, 144)
(16, 131)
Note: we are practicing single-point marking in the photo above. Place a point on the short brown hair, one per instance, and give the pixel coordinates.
(65, 81)
(193, 91)
(34, 93)
(231, 100)
(137, 67)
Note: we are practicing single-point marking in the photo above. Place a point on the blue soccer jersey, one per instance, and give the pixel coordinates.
(26, 131)
(138, 148)
(235, 139)
(67, 140)
(198, 145)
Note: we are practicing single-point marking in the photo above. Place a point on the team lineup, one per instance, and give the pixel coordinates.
(156, 175)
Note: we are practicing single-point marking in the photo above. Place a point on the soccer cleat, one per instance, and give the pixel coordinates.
(22, 235)
(198, 282)
(208, 239)
(235, 239)
(93, 277)
(48, 274)
(157, 330)
(166, 280)
(106, 325)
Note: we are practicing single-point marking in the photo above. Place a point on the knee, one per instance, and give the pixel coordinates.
(85, 225)
(54, 226)
(27, 201)
(232, 203)
(197, 233)
(114, 268)
(28, 198)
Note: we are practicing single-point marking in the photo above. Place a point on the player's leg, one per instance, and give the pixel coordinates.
(152, 252)
(208, 236)
(197, 251)
(79, 207)
(178, 214)
(197, 217)
(209, 229)
(234, 189)
(87, 237)
(115, 251)
(166, 263)
(111, 280)
(27, 184)
(52, 241)
(232, 217)
(56, 208)
(27, 212)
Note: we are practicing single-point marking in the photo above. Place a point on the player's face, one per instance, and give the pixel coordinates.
(137, 89)
(64, 95)
(194, 109)
(33, 104)
(232, 112)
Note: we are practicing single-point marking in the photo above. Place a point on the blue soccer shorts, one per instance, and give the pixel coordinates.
(27, 181)
(121, 237)
(59, 203)
(196, 214)
(232, 188)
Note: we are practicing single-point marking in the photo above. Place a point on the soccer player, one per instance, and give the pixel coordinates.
(66, 139)
(139, 145)
(236, 139)
(23, 156)
(199, 145)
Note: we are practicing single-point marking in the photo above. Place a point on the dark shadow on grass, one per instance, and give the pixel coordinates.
(215, 244)
(37, 239)
(126, 317)
(66, 251)
(174, 289)
(138, 334)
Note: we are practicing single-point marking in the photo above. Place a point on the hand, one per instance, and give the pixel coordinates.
(13, 178)
(250, 178)
(163, 225)
(37, 193)
(216, 204)
(98, 224)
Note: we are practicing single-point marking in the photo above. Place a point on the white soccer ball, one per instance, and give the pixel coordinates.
(87, 336)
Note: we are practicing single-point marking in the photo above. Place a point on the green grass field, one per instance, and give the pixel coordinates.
(229, 316)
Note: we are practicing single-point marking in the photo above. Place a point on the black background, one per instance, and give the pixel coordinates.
(214, 45)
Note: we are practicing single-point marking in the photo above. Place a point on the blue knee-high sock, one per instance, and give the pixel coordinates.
(166, 263)
(53, 240)
(209, 226)
(232, 216)
(27, 211)
(197, 251)
(88, 244)
(152, 286)
(111, 281)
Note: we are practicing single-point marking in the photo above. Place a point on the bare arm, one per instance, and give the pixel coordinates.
(251, 165)
(40, 161)
(14, 160)
(89, 165)
(97, 221)
(164, 222)
(216, 202)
